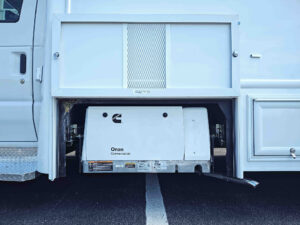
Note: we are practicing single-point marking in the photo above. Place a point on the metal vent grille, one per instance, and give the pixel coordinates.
(146, 56)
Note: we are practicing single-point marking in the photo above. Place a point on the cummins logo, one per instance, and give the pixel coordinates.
(116, 118)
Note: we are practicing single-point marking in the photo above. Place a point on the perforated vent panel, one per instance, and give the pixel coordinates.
(146, 56)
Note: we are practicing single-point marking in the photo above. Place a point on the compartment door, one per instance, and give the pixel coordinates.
(145, 55)
(276, 127)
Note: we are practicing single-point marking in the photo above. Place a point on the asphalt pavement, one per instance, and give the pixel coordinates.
(141, 199)
(202, 200)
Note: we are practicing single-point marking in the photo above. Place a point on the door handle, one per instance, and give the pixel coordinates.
(23, 63)
(293, 153)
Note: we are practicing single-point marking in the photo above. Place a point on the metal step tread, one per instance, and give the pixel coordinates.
(18, 164)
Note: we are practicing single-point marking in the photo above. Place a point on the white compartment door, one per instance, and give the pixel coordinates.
(145, 55)
(16, 29)
(276, 127)
(200, 56)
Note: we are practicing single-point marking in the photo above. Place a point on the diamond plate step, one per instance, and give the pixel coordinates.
(18, 164)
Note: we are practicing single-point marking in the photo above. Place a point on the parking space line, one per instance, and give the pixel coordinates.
(155, 208)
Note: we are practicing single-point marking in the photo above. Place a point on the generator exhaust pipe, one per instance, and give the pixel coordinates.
(247, 182)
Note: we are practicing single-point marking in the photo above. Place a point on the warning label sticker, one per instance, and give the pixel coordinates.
(100, 166)
(130, 165)
(160, 165)
(143, 166)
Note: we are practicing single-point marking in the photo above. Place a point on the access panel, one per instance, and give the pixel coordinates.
(276, 127)
(148, 55)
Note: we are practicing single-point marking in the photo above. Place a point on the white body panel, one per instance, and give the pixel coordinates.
(16, 116)
(16, 121)
(266, 35)
(143, 133)
(269, 28)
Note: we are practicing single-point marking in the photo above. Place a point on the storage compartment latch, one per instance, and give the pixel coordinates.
(293, 153)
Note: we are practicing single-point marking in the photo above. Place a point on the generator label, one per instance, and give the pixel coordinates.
(118, 151)
(100, 166)
(160, 165)
(141, 91)
(143, 166)
(130, 165)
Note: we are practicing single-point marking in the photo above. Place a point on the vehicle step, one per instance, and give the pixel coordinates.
(18, 164)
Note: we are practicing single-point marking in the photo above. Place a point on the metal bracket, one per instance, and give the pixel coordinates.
(251, 183)
(39, 74)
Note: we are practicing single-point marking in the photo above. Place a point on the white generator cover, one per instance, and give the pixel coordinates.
(146, 133)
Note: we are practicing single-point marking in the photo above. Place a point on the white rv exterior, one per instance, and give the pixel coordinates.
(63, 63)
